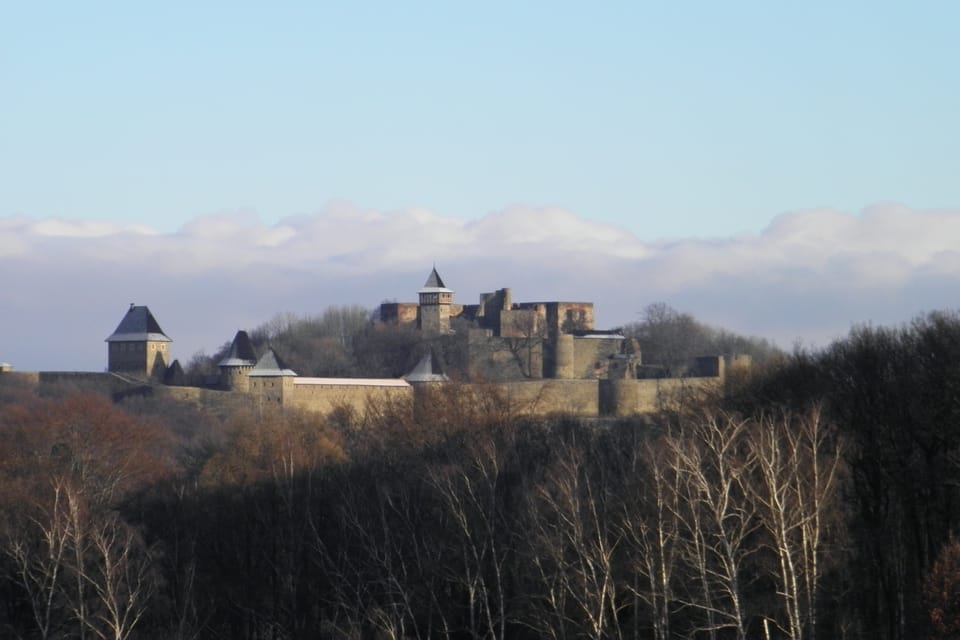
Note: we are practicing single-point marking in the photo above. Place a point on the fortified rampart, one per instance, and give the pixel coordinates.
(628, 397)
(593, 398)
(584, 398)
(326, 395)
(534, 358)
(541, 397)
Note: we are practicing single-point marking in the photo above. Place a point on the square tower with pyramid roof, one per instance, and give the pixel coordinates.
(435, 302)
(138, 347)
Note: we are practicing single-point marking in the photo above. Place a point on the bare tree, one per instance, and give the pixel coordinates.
(119, 574)
(651, 528)
(573, 547)
(469, 496)
(387, 578)
(668, 337)
(797, 465)
(717, 517)
(38, 553)
(75, 459)
(672, 338)
(523, 336)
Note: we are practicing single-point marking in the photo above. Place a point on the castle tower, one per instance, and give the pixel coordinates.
(435, 302)
(238, 363)
(271, 380)
(138, 347)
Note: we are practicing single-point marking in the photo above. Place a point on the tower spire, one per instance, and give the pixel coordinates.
(435, 302)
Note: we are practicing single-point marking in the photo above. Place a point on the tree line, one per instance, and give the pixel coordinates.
(815, 498)
(348, 342)
(340, 342)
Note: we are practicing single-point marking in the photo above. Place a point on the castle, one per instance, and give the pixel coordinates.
(538, 357)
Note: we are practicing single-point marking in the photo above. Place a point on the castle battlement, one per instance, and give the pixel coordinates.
(539, 357)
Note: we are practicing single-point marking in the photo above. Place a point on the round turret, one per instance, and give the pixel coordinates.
(564, 359)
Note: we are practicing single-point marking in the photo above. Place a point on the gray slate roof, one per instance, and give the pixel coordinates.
(434, 283)
(427, 370)
(241, 352)
(271, 366)
(137, 326)
(434, 280)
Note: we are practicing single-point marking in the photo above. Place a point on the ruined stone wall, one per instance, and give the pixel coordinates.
(558, 318)
(523, 323)
(490, 307)
(494, 358)
(709, 366)
(403, 313)
(591, 355)
(575, 316)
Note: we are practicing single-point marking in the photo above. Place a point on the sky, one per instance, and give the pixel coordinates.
(782, 171)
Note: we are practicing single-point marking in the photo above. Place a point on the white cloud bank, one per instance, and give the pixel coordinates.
(808, 276)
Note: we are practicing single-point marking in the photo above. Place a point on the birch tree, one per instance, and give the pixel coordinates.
(717, 518)
(797, 464)
(468, 493)
(574, 546)
(650, 526)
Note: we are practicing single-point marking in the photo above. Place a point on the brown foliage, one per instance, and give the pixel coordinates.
(66, 464)
(83, 440)
(275, 446)
(941, 593)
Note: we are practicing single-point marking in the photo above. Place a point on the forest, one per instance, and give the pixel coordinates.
(817, 496)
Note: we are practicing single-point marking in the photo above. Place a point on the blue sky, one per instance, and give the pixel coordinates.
(781, 169)
(670, 119)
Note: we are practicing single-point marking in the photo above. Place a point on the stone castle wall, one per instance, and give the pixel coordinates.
(273, 390)
(492, 357)
(403, 313)
(580, 397)
(544, 397)
(590, 355)
(148, 358)
(628, 397)
(316, 394)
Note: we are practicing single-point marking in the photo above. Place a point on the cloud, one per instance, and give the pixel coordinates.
(809, 275)
(54, 227)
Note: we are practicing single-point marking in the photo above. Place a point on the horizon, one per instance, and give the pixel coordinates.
(808, 278)
(779, 171)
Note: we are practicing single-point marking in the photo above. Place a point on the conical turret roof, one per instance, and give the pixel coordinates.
(429, 369)
(241, 352)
